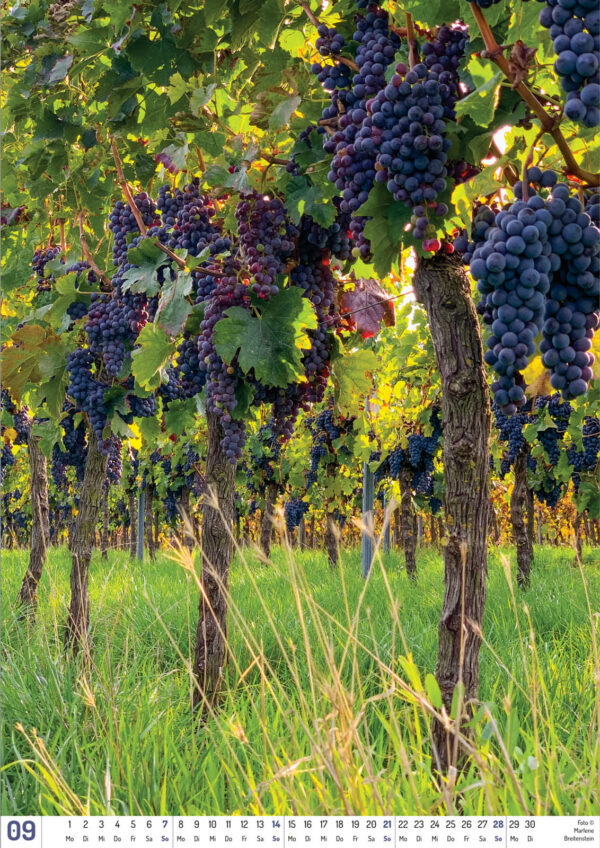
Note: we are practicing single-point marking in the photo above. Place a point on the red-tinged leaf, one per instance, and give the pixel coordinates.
(369, 306)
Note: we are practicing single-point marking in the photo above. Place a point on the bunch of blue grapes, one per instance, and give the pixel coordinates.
(221, 378)
(86, 390)
(417, 457)
(483, 218)
(122, 223)
(353, 164)
(484, 4)
(540, 261)
(194, 230)
(22, 425)
(443, 55)
(141, 407)
(510, 431)
(409, 130)
(330, 42)
(8, 458)
(332, 77)
(265, 453)
(40, 259)
(113, 324)
(325, 431)
(586, 461)
(170, 506)
(75, 448)
(294, 510)
(114, 463)
(266, 240)
(575, 32)
(171, 389)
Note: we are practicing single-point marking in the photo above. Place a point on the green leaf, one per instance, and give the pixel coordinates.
(352, 379)
(60, 69)
(180, 416)
(200, 97)
(434, 692)
(281, 114)
(213, 10)
(480, 104)
(269, 343)
(151, 357)
(147, 258)
(174, 307)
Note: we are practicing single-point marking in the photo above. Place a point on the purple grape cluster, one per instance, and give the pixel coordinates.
(75, 452)
(417, 457)
(86, 390)
(122, 222)
(266, 240)
(114, 465)
(294, 511)
(409, 127)
(40, 259)
(113, 324)
(575, 32)
(538, 270)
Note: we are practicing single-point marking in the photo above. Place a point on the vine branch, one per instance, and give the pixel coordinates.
(494, 52)
(88, 256)
(133, 206)
(311, 16)
(413, 56)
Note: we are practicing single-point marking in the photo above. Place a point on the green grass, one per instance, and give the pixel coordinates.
(326, 708)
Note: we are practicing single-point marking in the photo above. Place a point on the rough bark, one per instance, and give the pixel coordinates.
(104, 540)
(76, 636)
(217, 549)
(188, 539)
(149, 520)
(577, 538)
(442, 287)
(397, 535)
(407, 523)
(312, 531)
(302, 534)
(40, 525)
(530, 521)
(156, 528)
(331, 542)
(266, 524)
(518, 503)
(433, 530)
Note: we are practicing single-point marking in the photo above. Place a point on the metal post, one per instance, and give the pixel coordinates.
(366, 554)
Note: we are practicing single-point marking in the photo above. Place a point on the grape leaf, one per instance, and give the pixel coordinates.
(352, 379)
(271, 343)
(147, 258)
(370, 306)
(480, 104)
(151, 357)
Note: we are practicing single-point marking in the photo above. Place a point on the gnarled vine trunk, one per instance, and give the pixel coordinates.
(442, 287)
(530, 521)
(331, 540)
(132, 505)
(518, 504)
(76, 636)
(302, 534)
(266, 523)
(104, 536)
(407, 523)
(149, 520)
(218, 517)
(40, 525)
